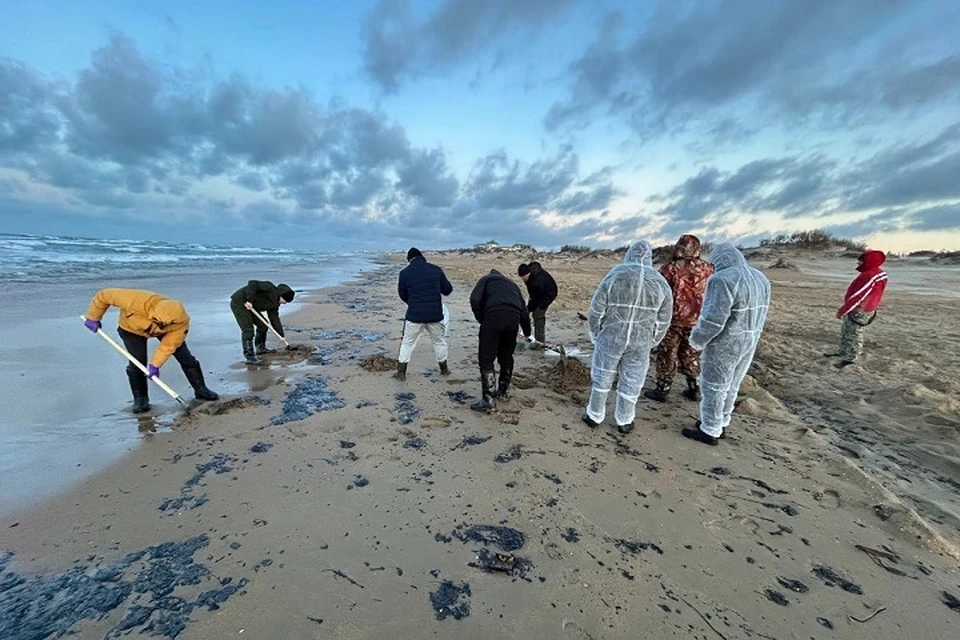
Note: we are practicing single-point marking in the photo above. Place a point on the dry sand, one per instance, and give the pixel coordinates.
(833, 500)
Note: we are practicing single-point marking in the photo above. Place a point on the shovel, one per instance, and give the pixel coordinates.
(163, 385)
(269, 326)
(543, 345)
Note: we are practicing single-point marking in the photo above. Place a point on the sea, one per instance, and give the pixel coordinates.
(64, 397)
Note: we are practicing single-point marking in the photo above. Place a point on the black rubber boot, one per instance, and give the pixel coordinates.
(444, 369)
(625, 428)
(401, 373)
(590, 423)
(140, 389)
(503, 388)
(843, 363)
(249, 355)
(488, 401)
(700, 436)
(194, 376)
(692, 392)
(659, 394)
(261, 347)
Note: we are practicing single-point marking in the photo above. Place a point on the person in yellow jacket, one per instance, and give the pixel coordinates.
(144, 315)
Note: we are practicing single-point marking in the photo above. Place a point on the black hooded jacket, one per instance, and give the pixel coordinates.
(265, 296)
(496, 293)
(542, 288)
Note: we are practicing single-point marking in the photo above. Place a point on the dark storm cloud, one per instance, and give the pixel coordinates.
(128, 128)
(399, 47)
(785, 184)
(26, 116)
(940, 218)
(128, 123)
(911, 173)
(496, 182)
(911, 186)
(792, 60)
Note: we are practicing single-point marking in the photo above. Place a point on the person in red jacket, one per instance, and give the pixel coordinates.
(860, 305)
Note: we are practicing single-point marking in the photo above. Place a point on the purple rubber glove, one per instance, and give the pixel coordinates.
(153, 372)
(93, 325)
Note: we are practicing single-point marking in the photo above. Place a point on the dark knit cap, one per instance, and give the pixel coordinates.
(413, 253)
(285, 292)
(523, 269)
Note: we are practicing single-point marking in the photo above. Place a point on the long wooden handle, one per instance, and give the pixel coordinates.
(269, 326)
(163, 385)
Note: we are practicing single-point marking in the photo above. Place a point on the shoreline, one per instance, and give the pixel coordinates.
(49, 441)
(354, 516)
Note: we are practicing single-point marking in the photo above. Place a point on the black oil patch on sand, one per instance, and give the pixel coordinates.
(261, 447)
(310, 396)
(41, 606)
(407, 411)
(451, 600)
(505, 538)
(218, 464)
(832, 579)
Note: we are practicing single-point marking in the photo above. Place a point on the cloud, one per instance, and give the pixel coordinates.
(792, 61)
(912, 173)
(940, 218)
(26, 117)
(902, 186)
(498, 183)
(789, 185)
(127, 133)
(399, 47)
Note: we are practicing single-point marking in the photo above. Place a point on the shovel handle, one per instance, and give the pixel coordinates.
(163, 385)
(269, 326)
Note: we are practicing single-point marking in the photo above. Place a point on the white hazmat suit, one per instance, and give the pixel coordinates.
(629, 315)
(731, 320)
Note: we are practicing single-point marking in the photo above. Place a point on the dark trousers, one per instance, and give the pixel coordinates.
(247, 326)
(673, 353)
(540, 325)
(498, 340)
(137, 346)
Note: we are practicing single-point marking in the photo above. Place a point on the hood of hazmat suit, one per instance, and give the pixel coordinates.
(629, 314)
(731, 320)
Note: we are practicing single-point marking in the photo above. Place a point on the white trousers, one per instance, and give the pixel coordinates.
(411, 334)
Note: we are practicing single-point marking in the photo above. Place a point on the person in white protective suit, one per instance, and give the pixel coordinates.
(629, 315)
(731, 320)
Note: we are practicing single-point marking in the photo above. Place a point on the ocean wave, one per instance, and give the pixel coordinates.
(27, 258)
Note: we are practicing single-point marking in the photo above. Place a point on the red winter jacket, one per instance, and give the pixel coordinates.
(866, 291)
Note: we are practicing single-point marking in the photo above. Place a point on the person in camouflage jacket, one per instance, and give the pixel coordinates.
(687, 275)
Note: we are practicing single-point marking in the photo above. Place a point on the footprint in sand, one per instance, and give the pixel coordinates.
(828, 498)
(735, 523)
(572, 629)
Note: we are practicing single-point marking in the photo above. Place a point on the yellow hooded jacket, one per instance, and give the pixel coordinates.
(146, 314)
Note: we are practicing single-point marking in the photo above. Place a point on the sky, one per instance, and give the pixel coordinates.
(381, 124)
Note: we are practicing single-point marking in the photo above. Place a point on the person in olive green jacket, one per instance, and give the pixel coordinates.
(258, 295)
(145, 315)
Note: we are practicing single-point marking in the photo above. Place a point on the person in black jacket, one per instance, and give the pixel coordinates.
(258, 295)
(421, 285)
(543, 291)
(499, 307)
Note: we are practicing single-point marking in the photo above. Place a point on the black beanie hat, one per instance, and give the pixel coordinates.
(523, 269)
(286, 292)
(413, 253)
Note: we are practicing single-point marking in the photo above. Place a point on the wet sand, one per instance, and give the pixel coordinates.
(336, 502)
(66, 402)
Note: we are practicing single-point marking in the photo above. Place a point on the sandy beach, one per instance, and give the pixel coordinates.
(337, 502)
